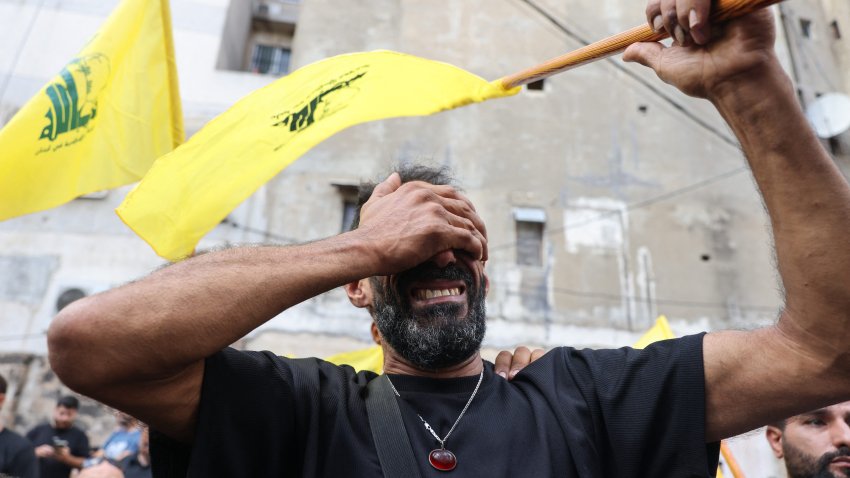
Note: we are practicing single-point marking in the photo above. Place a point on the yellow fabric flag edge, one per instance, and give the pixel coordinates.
(178, 132)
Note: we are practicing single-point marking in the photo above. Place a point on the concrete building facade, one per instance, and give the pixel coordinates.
(610, 198)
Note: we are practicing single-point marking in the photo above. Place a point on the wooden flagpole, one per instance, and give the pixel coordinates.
(723, 10)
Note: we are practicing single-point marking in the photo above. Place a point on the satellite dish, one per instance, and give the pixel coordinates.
(830, 114)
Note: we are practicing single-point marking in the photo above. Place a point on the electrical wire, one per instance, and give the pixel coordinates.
(651, 87)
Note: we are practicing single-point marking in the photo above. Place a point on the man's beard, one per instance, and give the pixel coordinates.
(435, 337)
(802, 465)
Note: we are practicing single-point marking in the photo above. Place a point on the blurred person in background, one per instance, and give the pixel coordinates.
(124, 441)
(139, 464)
(59, 445)
(17, 457)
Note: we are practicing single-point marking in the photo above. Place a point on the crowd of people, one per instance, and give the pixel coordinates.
(59, 449)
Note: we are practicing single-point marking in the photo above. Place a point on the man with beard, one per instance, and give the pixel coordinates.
(59, 445)
(157, 348)
(814, 444)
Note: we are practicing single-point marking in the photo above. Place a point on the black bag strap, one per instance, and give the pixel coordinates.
(388, 431)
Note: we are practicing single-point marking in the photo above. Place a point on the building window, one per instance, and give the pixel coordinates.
(806, 27)
(258, 36)
(349, 209)
(348, 192)
(530, 224)
(270, 59)
(537, 85)
(836, 31)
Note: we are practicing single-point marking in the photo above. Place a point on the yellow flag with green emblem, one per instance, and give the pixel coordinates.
(191, 190)
(102, 121)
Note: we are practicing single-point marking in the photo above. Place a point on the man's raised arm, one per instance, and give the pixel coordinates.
(803, 362)
(141, 347)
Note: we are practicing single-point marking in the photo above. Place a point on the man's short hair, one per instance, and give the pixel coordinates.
(440, 176)
(68, 401)
(3, 385)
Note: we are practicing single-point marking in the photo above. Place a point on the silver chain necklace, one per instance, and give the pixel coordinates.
(442, 459)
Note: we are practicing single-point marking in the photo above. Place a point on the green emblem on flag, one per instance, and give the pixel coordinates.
(73, 95)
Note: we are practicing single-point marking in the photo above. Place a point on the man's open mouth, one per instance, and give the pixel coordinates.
(435, 293)
(422, 294)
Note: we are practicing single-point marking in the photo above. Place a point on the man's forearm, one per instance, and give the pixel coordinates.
(809, 204)
(156, 326)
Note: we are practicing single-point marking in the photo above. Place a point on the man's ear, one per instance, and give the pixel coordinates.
(376, 334)
(774, 438)
(359, 293)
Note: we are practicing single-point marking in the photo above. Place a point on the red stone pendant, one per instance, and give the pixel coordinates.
(442, 459)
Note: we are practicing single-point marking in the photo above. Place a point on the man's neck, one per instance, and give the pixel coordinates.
(395, 364)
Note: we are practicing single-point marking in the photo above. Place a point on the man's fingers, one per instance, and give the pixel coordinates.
(647, 54)
(671, 20)
(388, 186)
(537, 353)
(694, 17)
(522, 357)
(509, 364)
(472, 239)
(503, 364)
(462, 209)
(653, 15)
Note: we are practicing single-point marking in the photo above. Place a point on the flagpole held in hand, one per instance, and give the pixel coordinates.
(723, 10)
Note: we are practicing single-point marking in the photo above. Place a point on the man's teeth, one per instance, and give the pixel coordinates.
(431, 293)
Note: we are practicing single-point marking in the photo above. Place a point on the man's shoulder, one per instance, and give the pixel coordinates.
(39, 429)
(230, 357)
(76, 433)
(13, 440)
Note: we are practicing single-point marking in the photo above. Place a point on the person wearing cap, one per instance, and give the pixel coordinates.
(59, 445)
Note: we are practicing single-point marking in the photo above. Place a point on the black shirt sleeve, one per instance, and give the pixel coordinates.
(236, 385)
(647, 408)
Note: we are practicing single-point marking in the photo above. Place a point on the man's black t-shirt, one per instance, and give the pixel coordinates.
(573, 413)
(78, 444)
(17, 457)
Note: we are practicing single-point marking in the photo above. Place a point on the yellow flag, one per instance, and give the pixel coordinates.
(189, 191)
(101, 121)
(363, 359)
(659, 331)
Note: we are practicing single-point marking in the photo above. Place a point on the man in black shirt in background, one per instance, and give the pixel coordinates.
(416, 262)
(17, 457)
(59, 445)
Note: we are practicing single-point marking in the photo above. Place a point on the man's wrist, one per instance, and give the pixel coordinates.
(750, 92)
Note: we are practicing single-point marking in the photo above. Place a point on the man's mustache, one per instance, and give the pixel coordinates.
(827, 458)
